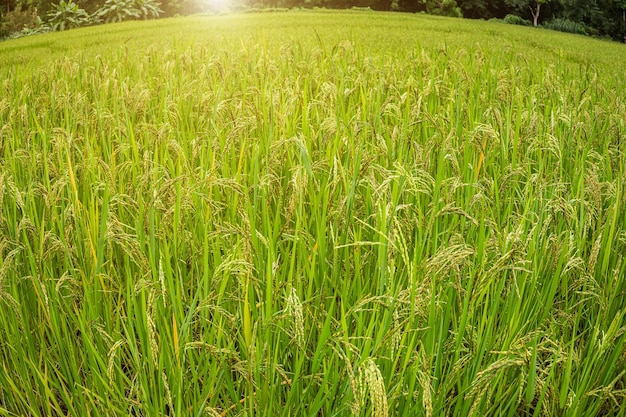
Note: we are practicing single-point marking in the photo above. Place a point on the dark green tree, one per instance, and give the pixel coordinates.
(475, 9)
(604, 18)
(534, 6)
(442, 7)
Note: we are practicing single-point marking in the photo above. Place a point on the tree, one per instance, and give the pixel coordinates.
(474, 9)
(604, 18)
(624, 18)
(533, 5)
(442, 7)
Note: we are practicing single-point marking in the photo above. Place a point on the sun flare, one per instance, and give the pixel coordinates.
(219, 5)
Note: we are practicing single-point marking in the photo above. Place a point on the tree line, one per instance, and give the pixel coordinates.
(600, 18)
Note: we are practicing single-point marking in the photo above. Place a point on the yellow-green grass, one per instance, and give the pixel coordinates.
(312, 214)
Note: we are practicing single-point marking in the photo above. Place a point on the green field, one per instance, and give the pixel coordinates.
(312, 214)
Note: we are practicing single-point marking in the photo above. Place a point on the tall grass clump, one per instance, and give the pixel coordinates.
(565, 25)
(312, 214)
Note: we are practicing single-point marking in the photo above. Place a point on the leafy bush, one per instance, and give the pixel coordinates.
(185, 7)
(67, 15)
(148, 9)
(442, 8)
(516, 20)
(42, 28)
(120, 10)
(566, 25)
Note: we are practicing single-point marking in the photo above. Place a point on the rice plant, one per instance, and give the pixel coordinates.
(312, 213)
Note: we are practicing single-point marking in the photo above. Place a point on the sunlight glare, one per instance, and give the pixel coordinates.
(219, 5)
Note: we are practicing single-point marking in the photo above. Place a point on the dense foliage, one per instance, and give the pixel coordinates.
(26, 17)
(604, 18)
(312, 213)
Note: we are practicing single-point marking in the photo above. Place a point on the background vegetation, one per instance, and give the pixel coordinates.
(312, 214)
(600, 18)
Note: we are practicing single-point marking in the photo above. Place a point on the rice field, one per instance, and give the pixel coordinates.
(312, 214)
